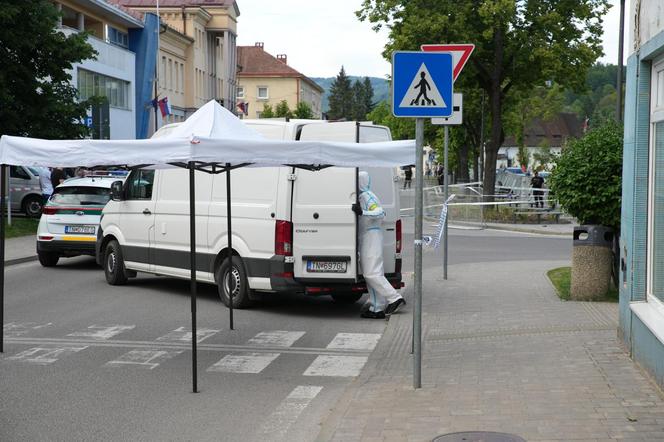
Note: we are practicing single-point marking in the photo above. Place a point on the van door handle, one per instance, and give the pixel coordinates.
(147, 212)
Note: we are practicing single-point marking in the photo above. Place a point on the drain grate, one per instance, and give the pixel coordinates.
(478, 436)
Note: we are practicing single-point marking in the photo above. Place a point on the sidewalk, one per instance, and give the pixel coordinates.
(543, 229)
(501, 353)
(20, 249)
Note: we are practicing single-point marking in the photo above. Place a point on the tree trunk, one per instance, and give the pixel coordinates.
(476, 168)
(462, 164)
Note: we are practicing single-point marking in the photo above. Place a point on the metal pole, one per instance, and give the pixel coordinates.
(480, 174)
(417, 311)
(621, 37)
(3, 192)
(229, 234)
(446, 193)
(192, 270)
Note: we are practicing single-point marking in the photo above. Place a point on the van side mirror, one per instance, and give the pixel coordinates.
(117, 193)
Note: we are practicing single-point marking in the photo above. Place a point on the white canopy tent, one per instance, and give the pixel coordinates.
(212, 140)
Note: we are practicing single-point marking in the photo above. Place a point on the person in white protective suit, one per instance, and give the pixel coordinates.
(383, 298)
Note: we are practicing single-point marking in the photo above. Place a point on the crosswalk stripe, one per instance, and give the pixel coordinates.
(276, 338)
(244, 363)
(277, 424)
(44, 355)
(183, 334)
(101, 332)
(341, 366)
(149, 359)
(355, 341)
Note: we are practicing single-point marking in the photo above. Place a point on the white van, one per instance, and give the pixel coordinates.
(293, 229)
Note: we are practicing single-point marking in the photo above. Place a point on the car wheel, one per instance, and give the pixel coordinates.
(233, 281)
(48, 259)
(114, 267)
(32, 206)
(346, 298)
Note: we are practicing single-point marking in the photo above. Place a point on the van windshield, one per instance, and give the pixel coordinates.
(80, 196)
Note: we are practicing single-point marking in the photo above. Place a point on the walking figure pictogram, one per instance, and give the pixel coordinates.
(423, 86)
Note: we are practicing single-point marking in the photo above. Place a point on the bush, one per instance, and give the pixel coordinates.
(587, 179)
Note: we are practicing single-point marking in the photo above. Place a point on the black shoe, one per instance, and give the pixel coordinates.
(395, 306)
(372, 315)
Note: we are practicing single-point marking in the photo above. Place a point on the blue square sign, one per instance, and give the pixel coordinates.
(422, 84)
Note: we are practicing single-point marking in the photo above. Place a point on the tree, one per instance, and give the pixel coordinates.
(282, 110)
(358, 110)
(588, 176)
(37, 98)
(267, 111)
(341, 97)
(518, 44)
(303, 110)
(368, 95)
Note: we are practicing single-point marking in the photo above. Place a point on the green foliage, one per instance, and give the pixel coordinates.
(303, 110)
(282, 110)
(341, 97)
(358, 107)
(368, 96)
(518, 45)
(267, 111)
(588, 174)
(37, 98)
(597, 100)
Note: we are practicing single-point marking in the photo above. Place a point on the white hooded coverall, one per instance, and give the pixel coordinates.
(381, 292)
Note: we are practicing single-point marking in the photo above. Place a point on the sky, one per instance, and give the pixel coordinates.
(319, 36)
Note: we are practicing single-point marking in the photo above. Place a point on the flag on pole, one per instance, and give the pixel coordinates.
(165, 107)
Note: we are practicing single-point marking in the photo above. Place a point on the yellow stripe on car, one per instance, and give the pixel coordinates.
(80, 238)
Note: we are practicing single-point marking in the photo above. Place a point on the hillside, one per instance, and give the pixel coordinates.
(380, 86)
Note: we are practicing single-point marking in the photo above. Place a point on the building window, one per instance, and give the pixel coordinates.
(118, 37)
(656, 185)
(240, 92)
(170, 74)
(92, 84)
(262, 93)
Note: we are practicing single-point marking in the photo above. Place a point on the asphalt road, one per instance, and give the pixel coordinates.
(87, 361)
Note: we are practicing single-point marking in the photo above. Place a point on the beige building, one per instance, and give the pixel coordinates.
(197, 52)
(265, 79)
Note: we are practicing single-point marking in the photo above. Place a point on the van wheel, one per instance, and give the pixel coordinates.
(48, 259)
(32, 206)
(234, 281)
(114, 267)
(346, 298)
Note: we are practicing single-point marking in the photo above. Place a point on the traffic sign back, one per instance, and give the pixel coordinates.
(421, 84)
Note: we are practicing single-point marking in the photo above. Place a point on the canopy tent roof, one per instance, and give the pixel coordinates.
(211, 135)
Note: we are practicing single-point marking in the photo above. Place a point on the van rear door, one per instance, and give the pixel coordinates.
(324, 230)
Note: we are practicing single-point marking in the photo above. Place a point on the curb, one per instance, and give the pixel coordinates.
(511, 229)
(15, 261)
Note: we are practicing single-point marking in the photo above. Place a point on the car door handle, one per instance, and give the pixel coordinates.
(147, 212)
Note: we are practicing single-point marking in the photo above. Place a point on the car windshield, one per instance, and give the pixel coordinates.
(80, 195)
(34, 171)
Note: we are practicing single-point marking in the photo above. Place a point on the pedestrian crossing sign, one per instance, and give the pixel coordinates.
(422, 84)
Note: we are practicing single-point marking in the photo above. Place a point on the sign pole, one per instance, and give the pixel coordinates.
(417, 311)
(446, 195)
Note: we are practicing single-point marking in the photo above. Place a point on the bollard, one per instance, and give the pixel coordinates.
(592, 260)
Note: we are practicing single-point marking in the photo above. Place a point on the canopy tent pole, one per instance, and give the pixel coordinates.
(192, 266)
(3, 193)
(229, 234)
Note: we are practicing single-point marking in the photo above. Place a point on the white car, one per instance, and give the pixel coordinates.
(70, 218)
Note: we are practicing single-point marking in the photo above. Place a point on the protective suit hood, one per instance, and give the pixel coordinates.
(364, 181)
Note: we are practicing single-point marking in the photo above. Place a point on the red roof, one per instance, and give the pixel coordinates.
(552, 133)
(173, 3)
(118, 4)
(255, 62)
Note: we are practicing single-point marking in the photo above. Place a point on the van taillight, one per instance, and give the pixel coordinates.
(398, 230)
(49, 210)
(283, 238)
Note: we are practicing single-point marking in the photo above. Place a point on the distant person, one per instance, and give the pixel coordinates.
(408, 177)
(383, 298)
(58, 176)
(440, 174)
(45, 183)
(537, 182)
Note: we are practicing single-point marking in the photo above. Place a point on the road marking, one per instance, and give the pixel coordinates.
(355, 341)
(277, 424)
(44, 355)
(149, 359)
(183, 334)
(102, 332)
(15, 329)
(225, 348)
(244, 363)
(276, 338)
(342, 366)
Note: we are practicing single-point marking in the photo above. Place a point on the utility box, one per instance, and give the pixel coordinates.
(592, 261)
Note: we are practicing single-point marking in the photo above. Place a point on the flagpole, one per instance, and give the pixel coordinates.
(156, 73)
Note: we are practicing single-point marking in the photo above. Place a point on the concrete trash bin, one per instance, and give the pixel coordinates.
(592, 260)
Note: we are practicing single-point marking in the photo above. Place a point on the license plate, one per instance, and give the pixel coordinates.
(80, 229)
(327, 266)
